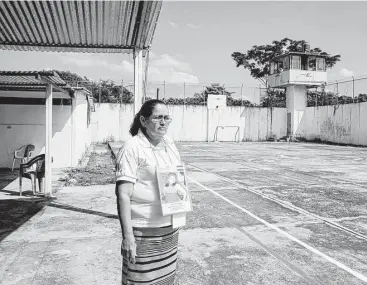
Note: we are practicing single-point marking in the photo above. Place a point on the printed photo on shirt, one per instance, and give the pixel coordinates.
(173, 190)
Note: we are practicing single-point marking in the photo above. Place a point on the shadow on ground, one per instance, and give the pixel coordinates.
(15, 210)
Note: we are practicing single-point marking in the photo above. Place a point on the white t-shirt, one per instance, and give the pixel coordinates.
(136, 162)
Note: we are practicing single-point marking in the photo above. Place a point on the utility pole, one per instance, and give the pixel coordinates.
(122, 91)
(157, 93)
(164, 89)
(100, 92)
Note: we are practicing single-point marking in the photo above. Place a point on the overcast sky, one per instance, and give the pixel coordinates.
(194, 41)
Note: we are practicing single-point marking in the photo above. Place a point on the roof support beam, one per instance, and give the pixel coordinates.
(48, 144)
(58, 88)
(138, 79)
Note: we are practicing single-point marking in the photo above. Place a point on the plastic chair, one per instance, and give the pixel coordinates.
(23, 154)
(33, 170)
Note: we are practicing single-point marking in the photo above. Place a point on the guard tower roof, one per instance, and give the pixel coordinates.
(297, 53)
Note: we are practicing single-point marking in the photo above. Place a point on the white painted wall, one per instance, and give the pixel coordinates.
(112, 121)
(347, 125)
(25, 124)
(296, 96)
(259, 123)
(82, 131)
(296, 76)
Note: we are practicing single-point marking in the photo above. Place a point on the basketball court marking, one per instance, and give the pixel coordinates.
(287, 235)
(284, 204)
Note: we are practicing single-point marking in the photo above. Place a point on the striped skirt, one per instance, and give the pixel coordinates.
(156, 257)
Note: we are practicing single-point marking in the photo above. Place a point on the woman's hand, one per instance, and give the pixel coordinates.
(129, 248)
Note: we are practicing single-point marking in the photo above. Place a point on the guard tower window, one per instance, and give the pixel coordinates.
(320, 64)
(272, 67)
(280, 66)
(286, 63)
(296, 62)
(312, 63)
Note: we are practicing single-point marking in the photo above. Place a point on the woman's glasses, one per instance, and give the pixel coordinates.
(158, 119)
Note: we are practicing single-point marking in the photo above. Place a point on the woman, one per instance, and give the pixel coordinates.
(149, 246)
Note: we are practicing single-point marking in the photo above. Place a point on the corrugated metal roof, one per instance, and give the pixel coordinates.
(78, 26)
(31, 81)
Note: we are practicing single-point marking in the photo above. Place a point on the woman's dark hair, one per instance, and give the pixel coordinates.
(146, 111)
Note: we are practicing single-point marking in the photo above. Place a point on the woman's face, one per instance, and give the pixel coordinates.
(156, 125)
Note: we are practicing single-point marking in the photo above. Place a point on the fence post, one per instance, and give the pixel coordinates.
(122, 91)
(164, 89)
(184, 92)
(100, 87)
(316, 95)
(353, 89)
(241, 97)
(337, 92)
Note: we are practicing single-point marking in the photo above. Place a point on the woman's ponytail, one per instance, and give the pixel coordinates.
(136, 125)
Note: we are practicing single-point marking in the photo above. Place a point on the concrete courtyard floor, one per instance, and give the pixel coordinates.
(264, 213)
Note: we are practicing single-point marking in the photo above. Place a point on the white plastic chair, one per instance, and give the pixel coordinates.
(23, 154)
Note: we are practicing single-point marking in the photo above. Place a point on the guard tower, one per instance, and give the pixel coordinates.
(297, 71)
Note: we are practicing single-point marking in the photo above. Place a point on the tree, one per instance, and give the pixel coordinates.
(104, 91)
(216, 88)
(107, 92)
(362, 97)
(275, 98)
(257, 59)
(73, 79)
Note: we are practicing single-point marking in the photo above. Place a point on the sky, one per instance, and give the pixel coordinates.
(194, 41)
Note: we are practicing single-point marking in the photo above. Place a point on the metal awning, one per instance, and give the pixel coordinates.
(74, 26)
(33, 81)
(78, 26)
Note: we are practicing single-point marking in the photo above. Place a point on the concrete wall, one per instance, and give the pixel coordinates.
(82, 130)
(347, 125)
(25, 124)
(296, 76)
(259, 123)
(112, 122)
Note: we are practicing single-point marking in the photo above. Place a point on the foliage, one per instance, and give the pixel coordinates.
(275, 98)
(257, 59)
(107, 92)
(317, 98)
(104, 91)
(214, 88)
(74, 79)
(217, 89)
(362, 97)
(202, 97)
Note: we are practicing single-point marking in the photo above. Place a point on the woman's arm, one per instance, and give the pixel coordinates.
(124, 191)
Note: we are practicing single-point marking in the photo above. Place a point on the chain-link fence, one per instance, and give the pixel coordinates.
(348, 90)
(165, 90)
(353, 87)
(344, 91)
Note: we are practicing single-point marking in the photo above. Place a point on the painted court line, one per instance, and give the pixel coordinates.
(287, 263)
(284, 204)
(310, 248)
